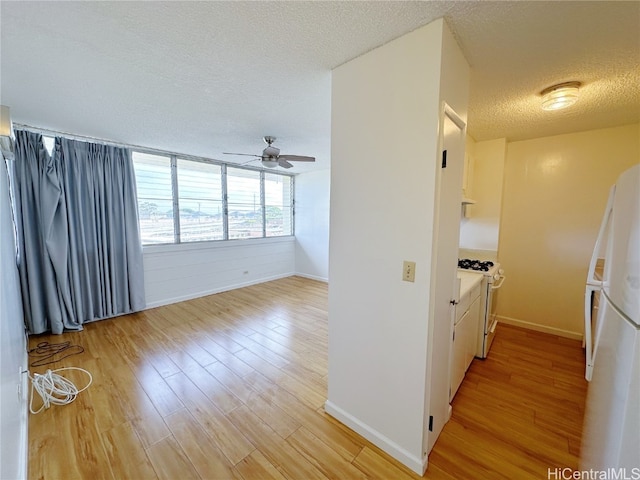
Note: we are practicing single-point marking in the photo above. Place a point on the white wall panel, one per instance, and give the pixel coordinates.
(13, 355)
(479, 229)
(312, 224)
(384, 171)
(179, 272)
(555, 192)
(385, 109)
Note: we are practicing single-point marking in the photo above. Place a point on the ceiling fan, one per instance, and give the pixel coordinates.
(271, 157)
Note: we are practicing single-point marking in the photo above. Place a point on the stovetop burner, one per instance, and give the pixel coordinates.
(480, 266)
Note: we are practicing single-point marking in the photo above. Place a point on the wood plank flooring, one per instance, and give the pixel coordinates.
(232, 386)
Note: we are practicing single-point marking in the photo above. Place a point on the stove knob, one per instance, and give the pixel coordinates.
(501, 271)
(496, 277)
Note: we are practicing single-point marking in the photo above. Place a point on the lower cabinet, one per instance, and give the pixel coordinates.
(465, 335)
(458, 358)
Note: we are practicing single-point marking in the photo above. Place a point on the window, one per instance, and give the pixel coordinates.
(244, 203)
(155, 198)
(200, 201)
(190, 200)
(278, 202)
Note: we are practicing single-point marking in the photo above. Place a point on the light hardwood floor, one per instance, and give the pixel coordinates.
(233, 385)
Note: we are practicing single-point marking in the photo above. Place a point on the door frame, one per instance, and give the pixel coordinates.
(437, 407)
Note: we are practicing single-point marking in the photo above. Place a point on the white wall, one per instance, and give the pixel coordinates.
(454, 91)
(13, 412)
(174, 273)
(479, 229)
(555, 193)
(385, 114)
(312, 224)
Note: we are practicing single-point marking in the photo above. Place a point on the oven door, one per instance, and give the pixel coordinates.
(491, 320)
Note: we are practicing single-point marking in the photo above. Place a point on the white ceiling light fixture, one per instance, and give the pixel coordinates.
(560, 96)
(269, 162)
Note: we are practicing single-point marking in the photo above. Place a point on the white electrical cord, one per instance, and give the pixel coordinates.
(55, 389)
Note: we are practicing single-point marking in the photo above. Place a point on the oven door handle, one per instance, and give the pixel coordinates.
(493, 326)
(499, 284)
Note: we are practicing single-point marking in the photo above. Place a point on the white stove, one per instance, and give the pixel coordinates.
(493, 278)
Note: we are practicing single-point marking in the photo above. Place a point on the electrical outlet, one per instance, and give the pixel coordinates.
(408, 271)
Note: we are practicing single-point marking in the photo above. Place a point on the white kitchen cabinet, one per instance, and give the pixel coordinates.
(458, 355)
(465, 334)
(471, 334)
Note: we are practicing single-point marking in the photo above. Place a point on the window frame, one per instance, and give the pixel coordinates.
(177, 237)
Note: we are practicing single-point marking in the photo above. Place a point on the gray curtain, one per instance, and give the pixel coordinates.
(80, 255)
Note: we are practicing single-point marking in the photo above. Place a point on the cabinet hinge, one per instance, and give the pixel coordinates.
(431, 423)
(444, 159)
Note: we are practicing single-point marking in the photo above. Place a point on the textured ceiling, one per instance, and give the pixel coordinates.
(201, 78)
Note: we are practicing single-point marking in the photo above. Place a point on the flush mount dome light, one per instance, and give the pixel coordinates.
(560, 96)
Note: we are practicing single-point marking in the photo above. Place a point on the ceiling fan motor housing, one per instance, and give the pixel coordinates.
(270, 152)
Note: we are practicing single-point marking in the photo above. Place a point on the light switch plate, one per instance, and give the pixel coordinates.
(408, 271)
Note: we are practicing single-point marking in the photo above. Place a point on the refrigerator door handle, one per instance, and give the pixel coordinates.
(591, 276)
(588, 330)
(594, 284)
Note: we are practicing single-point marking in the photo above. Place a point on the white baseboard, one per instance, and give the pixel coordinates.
(226, 288)
(416, 464)
(540, 328)
(312, 277)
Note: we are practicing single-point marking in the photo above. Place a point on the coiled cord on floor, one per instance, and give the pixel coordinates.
(55, 389)
(47, 353)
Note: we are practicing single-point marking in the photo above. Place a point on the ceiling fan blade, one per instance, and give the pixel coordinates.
(271, 152)
(243, 154)
(250, 161)
(297, 158)
(283, 163)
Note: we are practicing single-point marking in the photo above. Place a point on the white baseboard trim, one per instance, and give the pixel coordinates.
(396, 451)
(540, 328)
(204, 293)
(312, 277)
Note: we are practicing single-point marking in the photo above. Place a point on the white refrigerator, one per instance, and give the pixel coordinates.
(611, 433)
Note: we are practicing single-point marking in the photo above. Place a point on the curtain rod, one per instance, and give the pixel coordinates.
(84, 138)
(52, 133)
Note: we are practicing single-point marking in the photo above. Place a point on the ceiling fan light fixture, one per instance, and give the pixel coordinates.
(560, 96)
(271, 157)
(270, 163)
